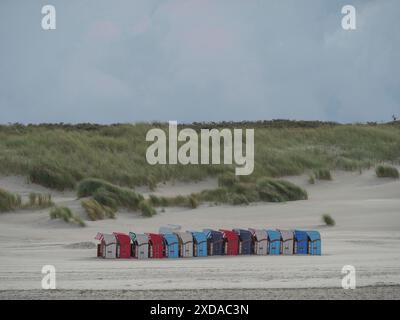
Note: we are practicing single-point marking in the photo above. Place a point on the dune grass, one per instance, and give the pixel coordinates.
(279, 191)
(328, 220)
(59, 155)
(9, 201)
(52, 177)
(96, 211)
(322, 174)
(147, 209)
(109, 194)
(237, 193)
(39, 200)
(66, 215)
(311, 178)
(387, 172)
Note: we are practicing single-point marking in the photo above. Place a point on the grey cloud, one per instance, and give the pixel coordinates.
(194, 60)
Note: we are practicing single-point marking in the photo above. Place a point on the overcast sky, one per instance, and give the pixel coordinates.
(199, 60)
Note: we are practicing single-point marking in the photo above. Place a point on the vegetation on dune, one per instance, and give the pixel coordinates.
(279, 190)
(238, 193)
(97, 211)
(9, 201)
(387, 172)
(190, 201)
(328, 220)
(147, 209)
(52, 177)
(60, 155)
(66, 215)
(193, 202)
(227, 180)
(265, 189)
(109, 194)
(38, 200)
(322, 174)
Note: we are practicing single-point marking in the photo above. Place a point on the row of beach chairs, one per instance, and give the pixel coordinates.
(208, 242)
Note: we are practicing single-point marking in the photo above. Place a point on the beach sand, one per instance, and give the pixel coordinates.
(366, 236)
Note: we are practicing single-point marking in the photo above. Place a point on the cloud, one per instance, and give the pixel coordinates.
(104, 31)
(195, 60)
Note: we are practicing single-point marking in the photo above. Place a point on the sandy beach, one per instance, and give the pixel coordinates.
(366, 235)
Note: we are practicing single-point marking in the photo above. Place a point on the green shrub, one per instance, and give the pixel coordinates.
(32, 199)
(97, 211)
(158, 201)
(154, 200)
(108, 192)
(387, 172)
(322, 174)
(147, 209)
(268, 192)
(227, 180)
(116, 153)
(106, 198)
(272, 190)
(238, 199)
(193, 202)
(63, 213)
(38, 200)
(178, 201)
(311, 179)
(248, 190)
(152, 183)
(18, 200)
(328, 220)
(52, 178)
(218, 195)
(9, 201)
(66, 215)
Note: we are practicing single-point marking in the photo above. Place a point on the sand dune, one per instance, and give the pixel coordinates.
(367, 236)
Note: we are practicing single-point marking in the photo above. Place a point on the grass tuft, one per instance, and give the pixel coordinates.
(9, 201)
(97, 211)
(387, 172)
(109, 194)
(66, 215)
(328, 220)
(273, 190)
(147, 209)
(38, 200)
(58, 155)
(52, 178)
(193, 201)
(227, 180)
(323, 174)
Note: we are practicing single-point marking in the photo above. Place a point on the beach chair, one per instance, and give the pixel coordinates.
(171, 245)
(108, 245)
(215, 242)
(300, 242)
(156, 246)
(231, 242)
(185, 244)
(140, 245)
(260, 241)
(246, 241)
(287, 242)
(123, 245)
(274, 242)
(199, 243)
(314, 243)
